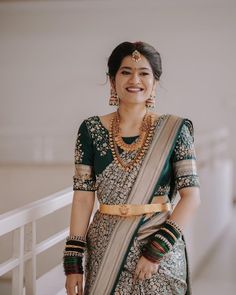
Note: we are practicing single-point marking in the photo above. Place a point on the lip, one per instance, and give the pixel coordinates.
(133, 89)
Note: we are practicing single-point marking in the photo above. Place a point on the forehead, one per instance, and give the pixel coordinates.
(128, 61)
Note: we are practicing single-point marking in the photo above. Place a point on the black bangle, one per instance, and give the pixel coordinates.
(73, 265)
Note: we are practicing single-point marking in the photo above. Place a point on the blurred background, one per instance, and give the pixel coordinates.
(53, 57)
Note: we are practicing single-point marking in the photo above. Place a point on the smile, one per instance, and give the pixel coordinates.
(134, 89)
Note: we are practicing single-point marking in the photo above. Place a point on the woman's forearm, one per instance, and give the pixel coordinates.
(82, 207)
(186, 207)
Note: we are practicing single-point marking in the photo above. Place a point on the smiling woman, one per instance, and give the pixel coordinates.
(136, 160)
(134, 82)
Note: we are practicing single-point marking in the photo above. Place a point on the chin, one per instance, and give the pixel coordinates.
(135, 100)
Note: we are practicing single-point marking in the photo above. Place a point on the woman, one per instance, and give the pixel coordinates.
(135, 160)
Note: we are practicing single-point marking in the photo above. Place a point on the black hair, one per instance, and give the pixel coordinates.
(127, 48)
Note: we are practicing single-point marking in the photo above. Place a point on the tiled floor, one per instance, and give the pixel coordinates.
(218, 275)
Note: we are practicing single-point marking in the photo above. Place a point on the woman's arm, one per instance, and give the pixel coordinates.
(182, 215)
(81, 210)
(186, 207)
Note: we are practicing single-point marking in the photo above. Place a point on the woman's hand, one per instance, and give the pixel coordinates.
(145, 269)
(74, 281)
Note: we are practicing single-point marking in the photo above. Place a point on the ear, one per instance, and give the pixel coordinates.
(112, 83)
(155, 83)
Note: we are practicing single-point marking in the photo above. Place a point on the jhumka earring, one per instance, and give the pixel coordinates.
(114, 100)
(150, 102)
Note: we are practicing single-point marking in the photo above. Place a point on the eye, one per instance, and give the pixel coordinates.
(144, 73)
(124, 72)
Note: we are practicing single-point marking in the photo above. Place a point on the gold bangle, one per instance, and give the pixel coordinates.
(75, 246)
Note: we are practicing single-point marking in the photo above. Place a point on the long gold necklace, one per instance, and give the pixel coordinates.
(137, 143)
(147, 130)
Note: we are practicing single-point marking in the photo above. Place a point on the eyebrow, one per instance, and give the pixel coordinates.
(129, 68)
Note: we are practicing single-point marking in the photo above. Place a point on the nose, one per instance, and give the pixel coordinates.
(134, 78)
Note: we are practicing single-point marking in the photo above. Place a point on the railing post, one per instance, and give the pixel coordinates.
(18, 252)
(30, 265)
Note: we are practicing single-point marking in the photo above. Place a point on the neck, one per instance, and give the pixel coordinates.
(132, 115)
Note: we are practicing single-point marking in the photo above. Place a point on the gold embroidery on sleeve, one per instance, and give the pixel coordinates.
(84, 172)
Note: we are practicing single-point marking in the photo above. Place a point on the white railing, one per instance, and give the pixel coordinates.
(22, 222)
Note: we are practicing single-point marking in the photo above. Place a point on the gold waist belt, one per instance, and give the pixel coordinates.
(133, 209)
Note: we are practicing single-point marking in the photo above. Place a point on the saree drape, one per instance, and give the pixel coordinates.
(141, 193)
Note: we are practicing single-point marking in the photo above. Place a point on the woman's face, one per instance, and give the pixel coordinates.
(134, 81)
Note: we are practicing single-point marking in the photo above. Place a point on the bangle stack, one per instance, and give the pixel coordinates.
(162, 242)
(73, 255)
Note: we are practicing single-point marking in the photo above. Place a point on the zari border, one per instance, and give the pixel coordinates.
(126, 228)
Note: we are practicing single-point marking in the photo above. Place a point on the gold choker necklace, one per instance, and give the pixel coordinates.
(140, 146)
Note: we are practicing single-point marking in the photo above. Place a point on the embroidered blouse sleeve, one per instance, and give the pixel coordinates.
(184, 158)
(84, 178)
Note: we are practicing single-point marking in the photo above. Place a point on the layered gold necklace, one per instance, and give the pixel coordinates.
(140, 145)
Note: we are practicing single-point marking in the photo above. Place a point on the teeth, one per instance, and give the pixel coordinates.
(134, 89)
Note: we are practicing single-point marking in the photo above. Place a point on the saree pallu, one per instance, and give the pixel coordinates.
(114, 243)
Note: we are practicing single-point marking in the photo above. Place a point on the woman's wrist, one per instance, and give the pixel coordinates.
(73, 265)
(73, 255)
(162, 242)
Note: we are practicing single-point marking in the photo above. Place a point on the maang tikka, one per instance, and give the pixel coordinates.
(114, 99)
(136, 56)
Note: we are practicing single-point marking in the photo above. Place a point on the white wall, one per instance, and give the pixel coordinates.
(214, 215)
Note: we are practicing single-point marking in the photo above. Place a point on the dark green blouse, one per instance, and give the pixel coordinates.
(93, 155)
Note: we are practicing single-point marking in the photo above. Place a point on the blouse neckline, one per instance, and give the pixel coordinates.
(128, 137)
(101, 124)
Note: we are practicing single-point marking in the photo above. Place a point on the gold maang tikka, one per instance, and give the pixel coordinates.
(136, 56)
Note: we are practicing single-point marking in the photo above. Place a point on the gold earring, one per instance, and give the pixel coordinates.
(150, 102)
(114, 99)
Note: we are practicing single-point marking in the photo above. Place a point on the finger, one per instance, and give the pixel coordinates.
(80, 289)
(136, 274)
(141, 276)
(148, 276)
(71, 290)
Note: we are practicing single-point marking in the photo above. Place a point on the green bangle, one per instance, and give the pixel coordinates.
(167, 236)
(154, 250)
(163, 244)
(172, 229)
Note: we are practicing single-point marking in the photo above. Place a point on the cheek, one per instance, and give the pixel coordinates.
(119, 82)
(149, 85)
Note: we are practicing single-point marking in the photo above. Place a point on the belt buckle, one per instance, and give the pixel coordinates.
(124, 209)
